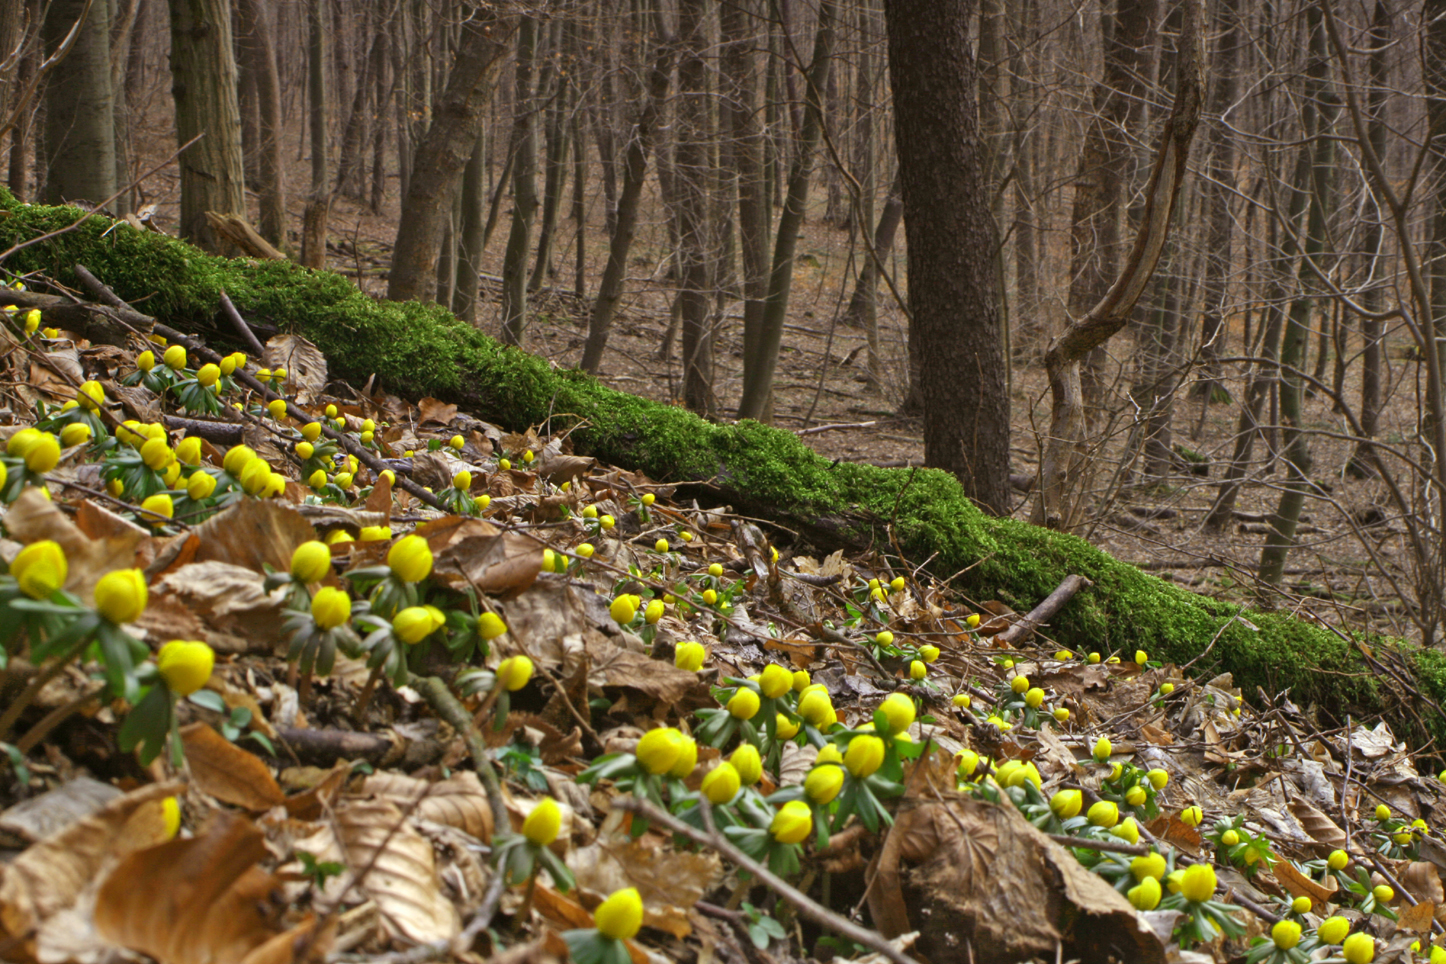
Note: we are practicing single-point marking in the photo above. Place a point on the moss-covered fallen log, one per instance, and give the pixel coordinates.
(416, 350)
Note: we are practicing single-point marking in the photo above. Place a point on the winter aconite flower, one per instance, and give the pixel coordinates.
(1103, 749)
(721, 784)
(815, 707)
(1333, 930)
(1103, 814)
(200, 486)
(514, 672)
(175, 357)
(748, 763)
(792, 823)
(43, 453)
(1145, 895)
(1066, 803)
(330, 607)
(311, 561)
(185, 665)
(1127, 830)
(543, 823)
(40, 568)
(689, 656)
(623, 609)
(159, 504)
(744, 704)
(653, 612)
(864, 756)
(775, 681)
(898, 712)
(1338, 860)
(621, 915)
(412, 625)
(1285, 934)
(490, 626)
(1199, 883)
(76, 433)
(1150, 865)
(410, 559)
(659, 749)
(1192, 816)
(1359, 949)
(687, 759)
(823, 783)
(120, 595)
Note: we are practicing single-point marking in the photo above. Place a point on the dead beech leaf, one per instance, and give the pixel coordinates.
(1322, 829)
(304, 363)
(38, 817)
(563, 910)
(670, 882)
(229, 598)
(309, 804)
(1418, 919)
(227, 772)
(252, 533)
(474, 551)
(200, 900)
(615, 667)
(1423, 881)
(1300, 885)
(459, 801)
(48, 877)
(432, 410)
(564, 468)
(1171, 829)
(32, 516)
(397, 870)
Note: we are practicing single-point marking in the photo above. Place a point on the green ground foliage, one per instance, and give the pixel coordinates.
(417, 350)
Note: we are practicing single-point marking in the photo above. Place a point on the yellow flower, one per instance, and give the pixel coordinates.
(175, 357)
(76, 433)
(185, 665)
(801, 680)
(462, 481)
(311, 561)
(1166, 689)
(689, 656)
(815, 707)
(687, 759)
(278, 375)
(120, 595)
(412, 625)
(343, 480)
(1145, 895)
(823, 783)
(1383, 894)
(160, 504)
(490, 626)
(515, 672)
(792, 823)
(1104, 814)
(1135, 796)
(543, 823)
(1127, 830)
(748, 763)
(91, 396)
(1034, 697)
(376, 533)
(621, 915)
(338, 536)
(929, 654)
(1150, 865)
(654, 612)
(1338, 860)
(1061, 714)
(787, 729)
(317, 480)
(456, 441)
(623, 609)
(898, 712)
(255, 476)
(962, 700)
(43, 454)
(828, 753)
(897, 583)
(1064, 803)
(146, 360)
(171, 816)
(1019, 684)
(721, 784)
(661, 545)
(589, 512)
(311, 431)
(40, 568)
(715, 570)
(330, 607)
(277, 408)
(410, 559)
(1103, 749)
(744, 704)
(884, 638)
(584, 549)
(263, 375)
(1192, 816)
(208, 374)
(1383, 812)
(1199, 882)
(1158, 778)
(709, 596)
(864, 756)
(606, 521)
(1359, 949)
(1301, 905)
(1333, 930)
(32, 321)
(439, 618)
(1063, 655)
(917, 670)
(228, 364)
(659, 749)
(775, 681)
(237, 458)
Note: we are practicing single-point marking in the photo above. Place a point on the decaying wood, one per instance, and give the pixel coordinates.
(239, 232)
(92, 322)
(1041, 614)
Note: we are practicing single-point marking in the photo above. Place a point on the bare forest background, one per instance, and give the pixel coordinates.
(712, 204)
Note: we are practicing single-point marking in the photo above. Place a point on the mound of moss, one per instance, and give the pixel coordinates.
(417, 350)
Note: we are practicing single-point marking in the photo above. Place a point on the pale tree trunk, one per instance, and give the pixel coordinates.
(953, 267)
(318, 204)
(691, 177)
(469, 248)
(443, 155)
(79, 115)
(579, 206)
(1028, 335)
(554, 179)
(203, 82)
(759, 367)
(862, 311)
(24, 75)
(258, 53)
(1061, 493)
(635, 169)
(524, 192)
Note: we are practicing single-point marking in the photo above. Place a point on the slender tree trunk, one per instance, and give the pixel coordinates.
(554, 180)
(758, 369)
(579, 207)
(203, 81)
(524, 192)
(318, 204)
(469, 250)
(258, 57)
(1029, 327)
(79, 113)
(122, 29)
(691, 178)
(443, 155)
(351, 163)
(635, 169)
(887, 228)
(20, 136)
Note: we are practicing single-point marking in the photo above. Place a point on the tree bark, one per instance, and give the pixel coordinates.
(1059, 504)
(524, 191)
(203, 82)
(318, 204)
(79, 112)
(443, 154)
(692, 174)
(758, 368)
(554, 179)
(469, 248)
(953, 273)
(258, 54)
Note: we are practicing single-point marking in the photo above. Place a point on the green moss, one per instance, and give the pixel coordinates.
(417, 350)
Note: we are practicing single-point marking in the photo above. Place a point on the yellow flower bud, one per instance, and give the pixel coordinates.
(1145, 895)
(1135, 796)
(543, 823)
(775, 681)
(256, 476)
(200, 486)
(1192, 816)
(1150, 865)
(76, 433)
(208, 374)
(1019, 684)
(515, 672)
(621, 915)
(1301, 905)
(1158, 778)
(120, 595)
(606, 521)
(687, 759)
(962, 700)
(175, 357)
(689, 656)
(828, 753)
(330, 607)
(661, 545)
(462, 481)
(864, 756)
(91, 396)
(1199, 883)
(43, 453)
(1333, 930)
(623, 609)
(721, 784)
(237, 458)
(1337, 861)
(1359, 949)
(456, 441)
(1383, 812)
(748, 763)
(171, 816)
(277, 408)
(185, 665)
(792, 823)
(1064, 803)
(1034, 697)
(1103, 749)
(898, 712)
(412, 625)
(278, 375)
(160, 504)
(410, 559)
(659, 749)
(32, 321)
(40, 568)
(311, 431)
(1127, 830)
(376, 533)
(1104, 814)
(654, 611)
(744, 704)
(815, 707)
(228, 365)
(1383, 894)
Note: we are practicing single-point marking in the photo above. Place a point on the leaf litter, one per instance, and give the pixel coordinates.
(764, 750)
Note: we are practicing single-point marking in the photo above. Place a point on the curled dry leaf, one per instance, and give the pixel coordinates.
(203, 900)
(227, 772)
(1299, 885)
(229, 598)
(253, 533)
(1322, 829)
(32, 516)
(39, 817)
(396, 869)
(459, 801)
(48, 877)
(475, 552)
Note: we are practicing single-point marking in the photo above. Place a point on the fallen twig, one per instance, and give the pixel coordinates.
(1041, 614)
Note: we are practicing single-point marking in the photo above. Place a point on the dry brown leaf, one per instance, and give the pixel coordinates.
(459, 801)
(1300, 885)
(670, 882)
(252, 533)
(397, 870)
(1418, 919)
(432, 410)
(48, 877)
(475, 552)
(200, 900)
(38, 817)
(229, 598)
(1322, 829)
(1170, 828)
(227, 772)
(304, 363)
(561, 468)
(660, 681)
(32, 516)
(569, 914)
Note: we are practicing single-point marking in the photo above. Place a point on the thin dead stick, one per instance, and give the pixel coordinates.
(1041, 614)
(1109, 846)
(241, 327)
(804, 904)
(837, 427)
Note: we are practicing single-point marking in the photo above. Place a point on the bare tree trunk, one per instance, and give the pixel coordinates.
(579, 206)
(351, 163)
(635, 169)
(887, 228)
(20, 136)
(524, 191)
(203, 81)
(691, 178)
(469, 250)
(1065, 459)
(318, 204)
(79, 113)
(554, 180)
(258, 53)
(758, 369)
(122, 29)
(443, 155)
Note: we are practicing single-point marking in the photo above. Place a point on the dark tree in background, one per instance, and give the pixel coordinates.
(79, 136)
(953, 280)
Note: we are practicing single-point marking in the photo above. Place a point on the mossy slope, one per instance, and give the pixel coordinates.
(418, 350)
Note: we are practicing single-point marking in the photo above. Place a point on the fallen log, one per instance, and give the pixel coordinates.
(416, 350)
